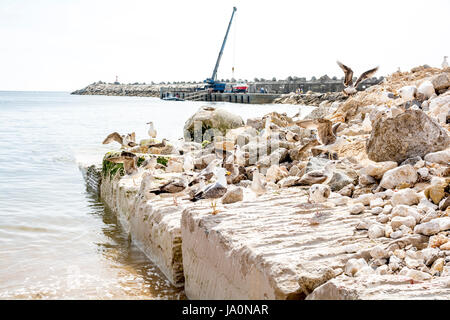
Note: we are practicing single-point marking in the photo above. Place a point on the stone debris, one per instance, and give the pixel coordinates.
(381, 190)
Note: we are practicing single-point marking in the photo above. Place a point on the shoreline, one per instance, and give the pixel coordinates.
(380, 218)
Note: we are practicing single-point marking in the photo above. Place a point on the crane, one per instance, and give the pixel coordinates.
(212, 82)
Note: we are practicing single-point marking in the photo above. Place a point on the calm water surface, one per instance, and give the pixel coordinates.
(57, 240)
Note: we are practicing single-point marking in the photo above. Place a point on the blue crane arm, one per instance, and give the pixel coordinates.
(214, 74)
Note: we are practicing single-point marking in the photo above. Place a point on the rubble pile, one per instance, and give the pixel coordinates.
(389, 165)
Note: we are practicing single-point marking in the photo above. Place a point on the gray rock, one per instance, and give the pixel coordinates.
(441, 81)
(412, 161)
(214, 119)
(409, 134)
(233, 194)
(339, 180)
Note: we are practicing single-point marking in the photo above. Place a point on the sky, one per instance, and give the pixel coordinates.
(64, 45)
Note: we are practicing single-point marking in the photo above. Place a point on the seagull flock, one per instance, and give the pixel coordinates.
(220, 172)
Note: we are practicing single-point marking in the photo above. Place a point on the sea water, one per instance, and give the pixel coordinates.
(57, 240)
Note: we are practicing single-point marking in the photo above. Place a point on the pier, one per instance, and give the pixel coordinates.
(251, 98)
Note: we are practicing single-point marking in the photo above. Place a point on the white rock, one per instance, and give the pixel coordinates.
(365, 180)
(375, 231)
(399, 175)
(365, 198)
(388, 231)
(174, 165)
(354, 265)
(398, 221)
(406, 211)
(405, 196)
(387, 209)
(442, 157)
(415, 274)
(412, 263)
(275, 173)
(429, 254)
(357, 208)
(426, 88)
(440, 108)
(407, 92)
(428, 228)
(396, 234)
(425, 205)
(419, 164)
(377, 202)
(382, 218)
(376, 211)
(378, 252)
(377, 169)
(405, 229)
(381, 270)
(423, 173)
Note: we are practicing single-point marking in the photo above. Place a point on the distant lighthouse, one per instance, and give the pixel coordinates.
(117, 80)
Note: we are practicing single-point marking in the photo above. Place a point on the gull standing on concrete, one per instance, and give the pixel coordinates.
(151, 130)
(214, 190)
(257, 185)
(350, 89)
(174, 186)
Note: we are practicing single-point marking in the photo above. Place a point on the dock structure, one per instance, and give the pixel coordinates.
(205, 95)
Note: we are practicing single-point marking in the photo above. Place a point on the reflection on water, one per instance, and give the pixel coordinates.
(147, 281)
(57, 241)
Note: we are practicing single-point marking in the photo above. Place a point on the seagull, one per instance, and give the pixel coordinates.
(129, 161)
(151, 130)
(257, 185)
(444, 63)
(326, 131)
(350, 89)
(321, 176)
(126, 141)
(188, 163)
(318, 193)
(174, 186)
(214, 190)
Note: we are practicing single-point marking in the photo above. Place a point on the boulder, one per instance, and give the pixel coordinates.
(426, 88)
(407, 135)
(405, 196)
(439, 108)
(428, 228)
(401, 175)
(406, 211)
(398, 221)
(233, 194)
(407, 92)
(442, 157)
(377, 169)
(209, 118)
(339, 180)
(441, 81)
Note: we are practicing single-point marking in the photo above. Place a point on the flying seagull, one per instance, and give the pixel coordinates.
(126, 141)
(214, 190)
(350, 89)
(326, 130)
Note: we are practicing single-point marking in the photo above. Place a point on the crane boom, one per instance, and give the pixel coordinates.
(214, 74)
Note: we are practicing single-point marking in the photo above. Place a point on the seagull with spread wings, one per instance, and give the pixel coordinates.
(126, 141)
(350, 89)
